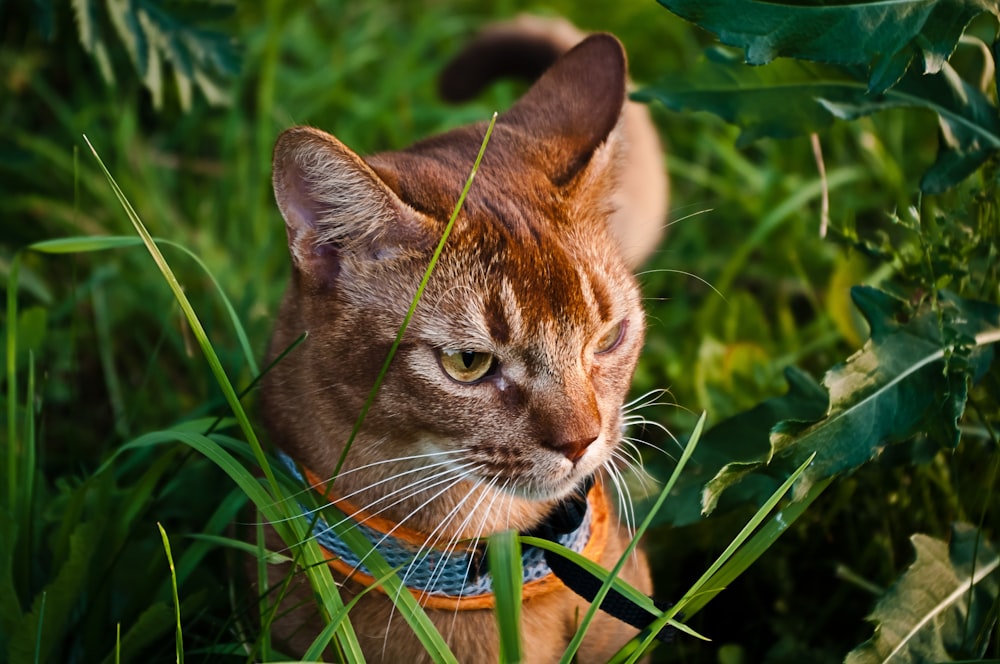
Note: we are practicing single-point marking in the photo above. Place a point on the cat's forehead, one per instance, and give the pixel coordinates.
(495, 289)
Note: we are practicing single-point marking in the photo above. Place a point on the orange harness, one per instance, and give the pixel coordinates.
(380, 530)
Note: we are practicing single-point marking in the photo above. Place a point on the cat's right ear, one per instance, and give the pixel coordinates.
(334, 203)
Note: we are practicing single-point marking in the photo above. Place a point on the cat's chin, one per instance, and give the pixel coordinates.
(551, 492)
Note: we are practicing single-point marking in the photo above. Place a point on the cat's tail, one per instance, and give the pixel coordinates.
(524, 48)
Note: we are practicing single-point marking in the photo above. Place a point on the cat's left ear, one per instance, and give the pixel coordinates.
(575, 105)
(592, 136)
(334, 204)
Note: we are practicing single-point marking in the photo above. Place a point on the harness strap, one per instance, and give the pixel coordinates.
(615, 604)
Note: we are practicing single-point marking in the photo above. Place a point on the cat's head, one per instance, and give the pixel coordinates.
(519, 355)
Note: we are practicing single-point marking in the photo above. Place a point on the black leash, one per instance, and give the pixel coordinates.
(567, 517)
(586, 585)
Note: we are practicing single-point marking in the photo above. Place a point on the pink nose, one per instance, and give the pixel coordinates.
(573, 449)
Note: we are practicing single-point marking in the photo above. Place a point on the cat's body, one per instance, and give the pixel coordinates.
(512, 373)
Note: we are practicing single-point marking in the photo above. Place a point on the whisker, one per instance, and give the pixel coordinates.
(435, 535)
(452, 546)
(686, 274)
(623, 495)
(634, 461)
(458, 478)
(318, 486)
(688, 216)
(640, 401)
(456, 474)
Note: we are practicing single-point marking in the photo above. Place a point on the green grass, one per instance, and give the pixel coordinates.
(128, 382)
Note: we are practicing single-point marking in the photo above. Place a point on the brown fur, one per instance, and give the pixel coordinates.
(536, 271)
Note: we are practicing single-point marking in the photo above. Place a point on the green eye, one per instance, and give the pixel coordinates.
(466, 366)
(611, 338)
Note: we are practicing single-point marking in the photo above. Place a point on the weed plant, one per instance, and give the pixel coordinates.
(129, 439)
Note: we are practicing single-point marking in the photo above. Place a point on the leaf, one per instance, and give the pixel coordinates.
(61, 596)
(910, 376)
(155, 32)
(743, 437)
(778, 101)
(884, 34)
(969, 123)
(897, 385)
(940, 608)
(788, 98)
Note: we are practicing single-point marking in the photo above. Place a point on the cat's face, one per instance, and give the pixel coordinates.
(516, 362)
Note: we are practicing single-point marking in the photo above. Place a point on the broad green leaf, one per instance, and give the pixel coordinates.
(941, 607)
(886, 34)
(778, 100)
(897, 385)
(969, 122)
(788, 98)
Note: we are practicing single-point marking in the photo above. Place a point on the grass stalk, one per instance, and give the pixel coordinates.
(577, 640)
(416, 299)
(177, 602)
(504, 554)
(295, 532)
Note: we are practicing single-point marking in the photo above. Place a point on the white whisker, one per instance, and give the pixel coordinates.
(692, 275)
(318, 487)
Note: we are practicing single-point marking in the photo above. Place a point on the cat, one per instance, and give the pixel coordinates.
(506, 394)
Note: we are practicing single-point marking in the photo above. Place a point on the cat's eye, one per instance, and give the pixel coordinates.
(611, 338)
(467, 366)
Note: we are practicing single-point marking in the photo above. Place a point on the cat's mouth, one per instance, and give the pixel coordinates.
(546, 488)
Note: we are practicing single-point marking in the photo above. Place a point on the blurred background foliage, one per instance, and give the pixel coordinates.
(183, 101)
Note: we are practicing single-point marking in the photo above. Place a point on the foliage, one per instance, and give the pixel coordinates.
(122, 396)
(940, 608)
(155, 33)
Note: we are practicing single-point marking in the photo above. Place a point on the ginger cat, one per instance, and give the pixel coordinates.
(506, 395)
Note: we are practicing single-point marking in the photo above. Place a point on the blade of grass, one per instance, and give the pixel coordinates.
(296, 534)
(38, 632)
(264, 608)
(504, 554)
(406, 604)
(83, 244)
(13, 445)
(754, 548)
(416, 298)
(698, 589)
(177, 603)
(316, 650)
(581, 631)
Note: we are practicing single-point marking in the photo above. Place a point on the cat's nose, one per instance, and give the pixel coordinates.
(573, 448)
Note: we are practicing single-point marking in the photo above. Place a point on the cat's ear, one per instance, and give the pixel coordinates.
(575, 104)
(333, 202)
